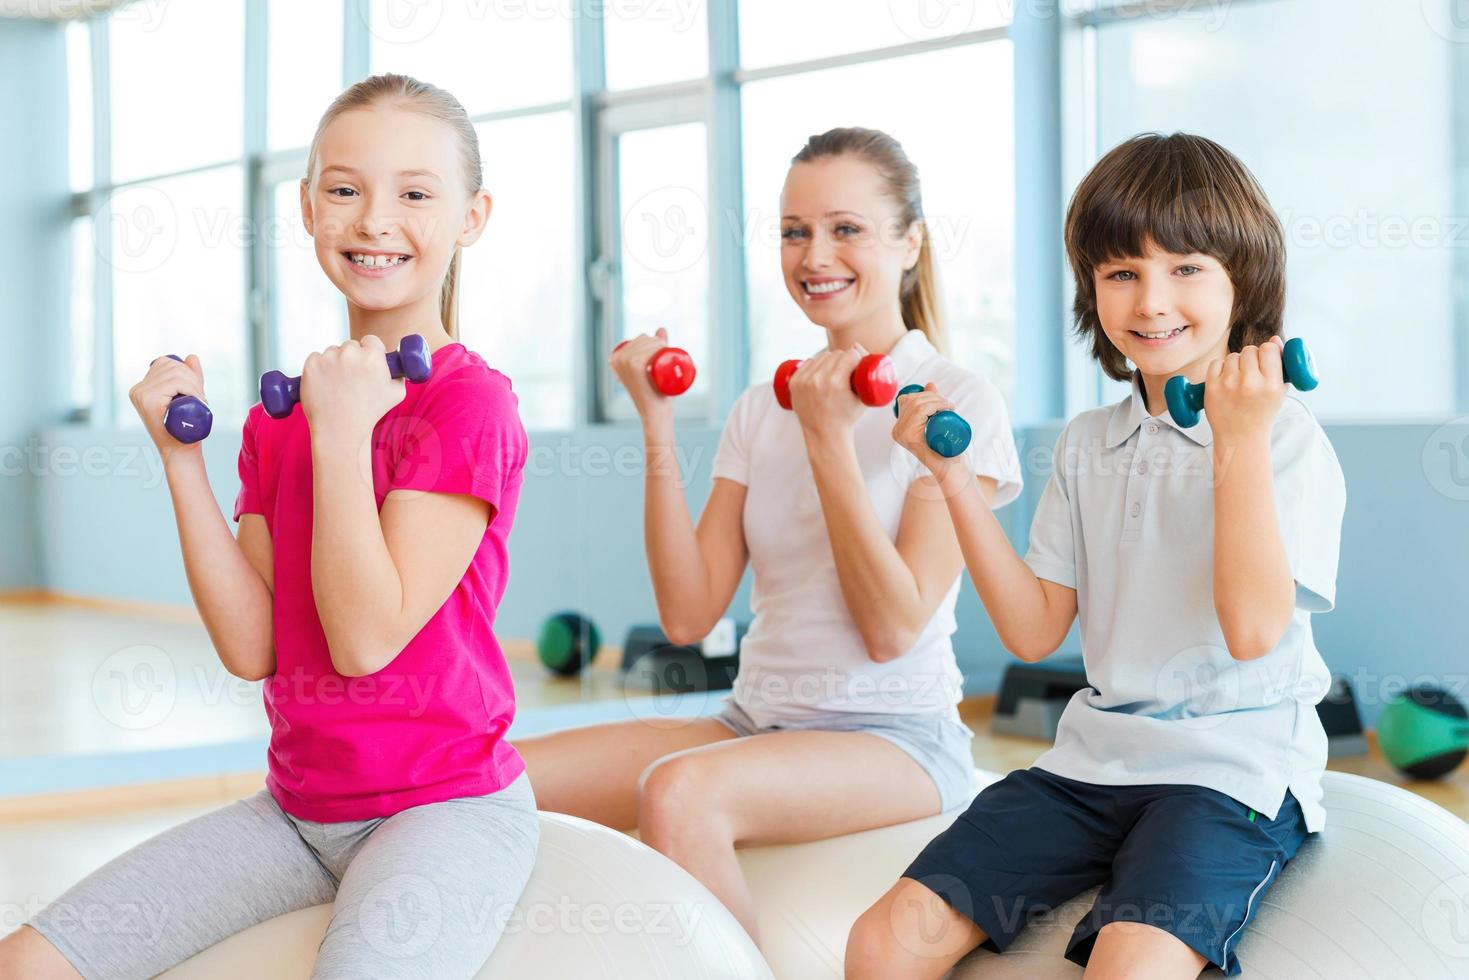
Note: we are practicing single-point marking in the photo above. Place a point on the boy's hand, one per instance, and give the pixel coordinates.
(1243, 393)
(914, 411)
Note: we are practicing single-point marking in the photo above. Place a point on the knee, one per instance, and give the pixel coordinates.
(677, 794)
(874, 948)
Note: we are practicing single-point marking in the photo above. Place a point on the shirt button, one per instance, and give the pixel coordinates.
(1152, 428)
(1142, 468)
(1137, 509)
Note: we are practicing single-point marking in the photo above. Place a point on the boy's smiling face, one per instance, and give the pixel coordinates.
(1167, 313)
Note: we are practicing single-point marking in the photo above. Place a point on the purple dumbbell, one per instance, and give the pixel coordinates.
(279, 394)
(187, 419)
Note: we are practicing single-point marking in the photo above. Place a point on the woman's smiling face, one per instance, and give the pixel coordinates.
(387, 205)
(843, 246)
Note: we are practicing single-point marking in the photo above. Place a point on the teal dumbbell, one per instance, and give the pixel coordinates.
(946, 433)
(1186, 401)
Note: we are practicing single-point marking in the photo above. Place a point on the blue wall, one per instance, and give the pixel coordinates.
(33, 288)
(578, 542)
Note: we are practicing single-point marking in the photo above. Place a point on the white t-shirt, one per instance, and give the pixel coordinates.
(1127, 520)
(803, 654)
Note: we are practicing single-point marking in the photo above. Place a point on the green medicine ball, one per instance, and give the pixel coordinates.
(1424, 734)
(567, 642)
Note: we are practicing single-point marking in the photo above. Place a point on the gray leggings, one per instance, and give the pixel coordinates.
(423, 893)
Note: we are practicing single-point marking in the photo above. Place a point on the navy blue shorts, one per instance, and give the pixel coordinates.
(1189, 860)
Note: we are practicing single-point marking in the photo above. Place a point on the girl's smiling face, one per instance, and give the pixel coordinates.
(1167, 313)
(843, 251)
(387, 205)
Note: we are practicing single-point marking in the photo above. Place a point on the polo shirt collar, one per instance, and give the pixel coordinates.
(1130, 413)
(909, 353)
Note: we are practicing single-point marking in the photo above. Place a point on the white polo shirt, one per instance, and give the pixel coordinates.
(1127, 520)
(803, 654)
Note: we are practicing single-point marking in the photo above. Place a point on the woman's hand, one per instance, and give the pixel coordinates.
(165, 380)
(914, 411)
(1243, 393)
(821, 393)
(630, 363)
(346, 389)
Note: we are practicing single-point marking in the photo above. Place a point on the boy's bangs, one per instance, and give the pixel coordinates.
(1156, 210)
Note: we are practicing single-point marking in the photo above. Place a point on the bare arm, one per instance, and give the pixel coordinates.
(378, 579)
(695, 572)
(1254, 589)
(233, 599)
(1031, 615)
(891, 588)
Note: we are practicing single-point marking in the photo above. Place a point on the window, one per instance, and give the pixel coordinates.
(654, 43)
(178, 284)
(776, 32)
(79, 105)
(1359, 164)
(967, 173)
(83, 353)
(516, 307)
(303, 68)
(492, 56)
(177, 86)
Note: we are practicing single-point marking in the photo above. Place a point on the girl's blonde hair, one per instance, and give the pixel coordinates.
(919, 288)
(410, 93)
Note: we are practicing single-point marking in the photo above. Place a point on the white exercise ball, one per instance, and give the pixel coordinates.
(598, 904)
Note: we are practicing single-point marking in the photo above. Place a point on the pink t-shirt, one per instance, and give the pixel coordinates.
(430, 726)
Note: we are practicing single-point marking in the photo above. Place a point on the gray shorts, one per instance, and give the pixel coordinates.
(938, 741)
(425, 892)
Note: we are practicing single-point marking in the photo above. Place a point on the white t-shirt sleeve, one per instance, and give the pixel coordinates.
(1052, 554)
(1310, 498)
(732, 458)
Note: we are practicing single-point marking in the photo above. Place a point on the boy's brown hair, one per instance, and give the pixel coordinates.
(1184, 194)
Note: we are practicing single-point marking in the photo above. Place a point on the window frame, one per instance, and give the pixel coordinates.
(599, 113)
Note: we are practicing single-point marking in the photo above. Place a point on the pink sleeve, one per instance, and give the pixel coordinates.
(248, 501)
(466, 437)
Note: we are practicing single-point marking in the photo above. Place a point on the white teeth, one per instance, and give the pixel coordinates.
(1160, 336)
(827, 287)
(377, 261)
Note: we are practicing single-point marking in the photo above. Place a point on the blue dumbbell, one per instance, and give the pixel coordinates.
(187, 419)
(280, 394)
(946, 433)
(1186, 401)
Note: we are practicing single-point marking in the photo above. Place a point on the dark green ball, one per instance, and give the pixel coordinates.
(1424, 734)
(567, 642)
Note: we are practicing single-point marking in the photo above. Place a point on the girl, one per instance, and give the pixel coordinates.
(847, 674)
(1189, 772)
(371, 555)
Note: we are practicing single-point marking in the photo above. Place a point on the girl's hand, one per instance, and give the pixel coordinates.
(1243, 393)
(821, 393)
(630, 363)
(914, 411)
(346, 389)
(167, 378)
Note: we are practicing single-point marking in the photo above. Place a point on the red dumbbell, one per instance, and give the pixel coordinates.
(671, 370)
(874, 380)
